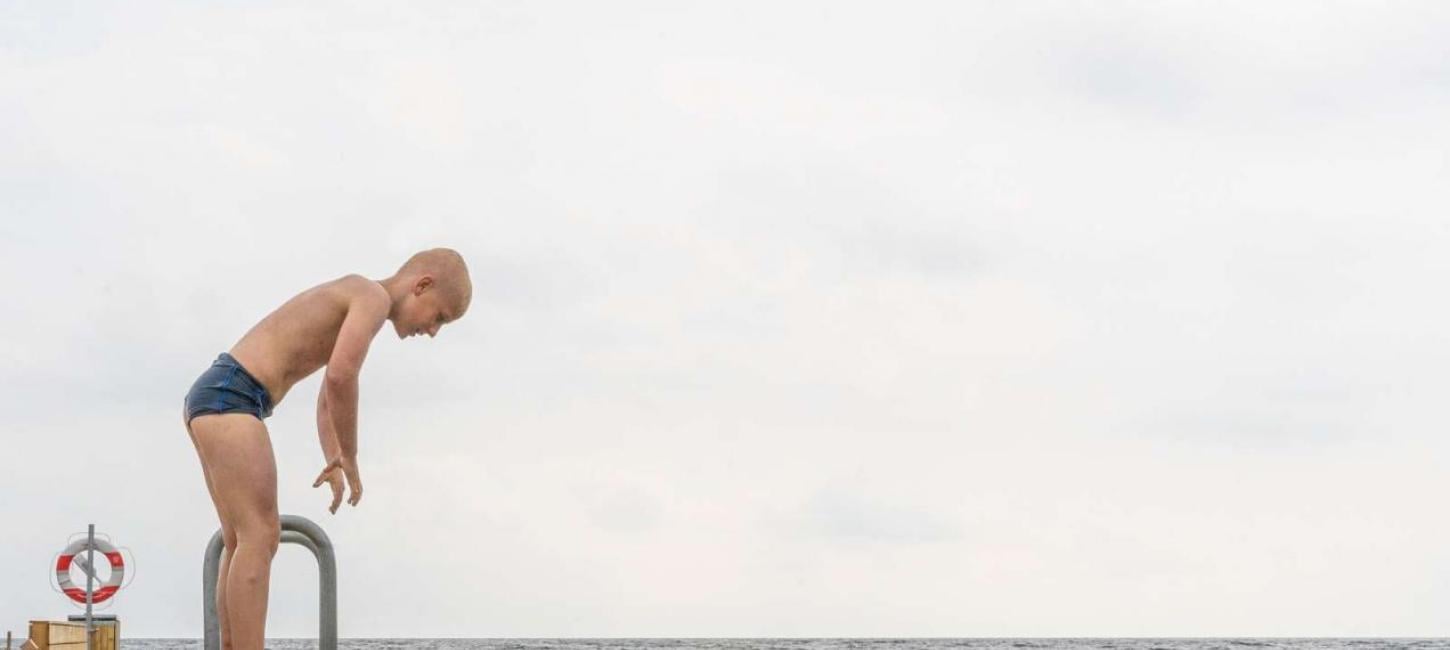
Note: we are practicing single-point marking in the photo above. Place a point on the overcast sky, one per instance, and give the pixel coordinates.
(790, 318)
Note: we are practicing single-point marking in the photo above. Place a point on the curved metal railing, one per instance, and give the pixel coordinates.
(295, 530)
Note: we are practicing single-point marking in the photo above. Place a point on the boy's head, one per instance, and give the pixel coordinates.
(435, 290)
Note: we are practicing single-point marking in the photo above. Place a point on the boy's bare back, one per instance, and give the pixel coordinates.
(299, 337)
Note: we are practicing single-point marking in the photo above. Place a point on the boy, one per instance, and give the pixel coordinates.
(331, 324)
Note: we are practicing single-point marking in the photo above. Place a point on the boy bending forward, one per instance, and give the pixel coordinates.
(330, 325)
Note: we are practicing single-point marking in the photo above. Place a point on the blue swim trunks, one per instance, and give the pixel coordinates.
(227, 387)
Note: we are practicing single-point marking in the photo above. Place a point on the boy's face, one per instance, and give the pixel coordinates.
(424, 310)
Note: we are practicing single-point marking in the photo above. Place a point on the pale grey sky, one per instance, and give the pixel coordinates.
(790, 319)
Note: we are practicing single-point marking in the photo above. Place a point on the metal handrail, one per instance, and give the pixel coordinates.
(295, 530)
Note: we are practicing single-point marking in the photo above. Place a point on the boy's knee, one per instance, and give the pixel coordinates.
(274, 536)
(265, 534)
(273, 539)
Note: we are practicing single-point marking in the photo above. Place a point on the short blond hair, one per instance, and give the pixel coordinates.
(447, 268)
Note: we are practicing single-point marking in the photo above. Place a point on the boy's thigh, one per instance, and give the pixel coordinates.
(210, 489)
(237, 452)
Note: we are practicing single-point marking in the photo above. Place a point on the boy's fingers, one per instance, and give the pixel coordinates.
(354, 482)
(323, 476)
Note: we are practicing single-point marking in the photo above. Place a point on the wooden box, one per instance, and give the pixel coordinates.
(58, 635)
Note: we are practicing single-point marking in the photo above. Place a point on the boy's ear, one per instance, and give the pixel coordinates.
(424, 283)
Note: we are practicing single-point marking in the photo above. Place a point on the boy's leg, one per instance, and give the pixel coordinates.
(238, 454)
(224, 626)
(229, 545)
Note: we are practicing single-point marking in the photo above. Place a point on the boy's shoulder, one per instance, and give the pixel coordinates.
(353, 287)
(338, 298)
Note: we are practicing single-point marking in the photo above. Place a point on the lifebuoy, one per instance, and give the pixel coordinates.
(62, 571)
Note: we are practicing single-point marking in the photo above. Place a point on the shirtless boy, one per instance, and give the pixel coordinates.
(330, 325)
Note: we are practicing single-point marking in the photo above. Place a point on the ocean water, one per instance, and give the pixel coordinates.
(815, 644)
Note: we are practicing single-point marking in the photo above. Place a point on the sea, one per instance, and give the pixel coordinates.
(820, 644)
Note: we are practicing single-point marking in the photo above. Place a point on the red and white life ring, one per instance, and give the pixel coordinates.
(78, 594)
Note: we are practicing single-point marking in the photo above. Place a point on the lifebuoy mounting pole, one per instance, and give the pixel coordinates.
(90, 579)
(296, 530)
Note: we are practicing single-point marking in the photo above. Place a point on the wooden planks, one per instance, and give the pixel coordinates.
(59, 635)
(49, 633)
(107, 634)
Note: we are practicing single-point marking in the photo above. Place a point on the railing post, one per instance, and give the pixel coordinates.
(295, 530)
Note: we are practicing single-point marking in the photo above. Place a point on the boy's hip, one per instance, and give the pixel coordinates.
(227, 387)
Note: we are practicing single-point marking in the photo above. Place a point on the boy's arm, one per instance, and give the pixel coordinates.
(365, 315)
(325, 435)
(330, 450)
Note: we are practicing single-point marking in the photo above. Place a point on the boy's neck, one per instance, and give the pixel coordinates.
(396, 288)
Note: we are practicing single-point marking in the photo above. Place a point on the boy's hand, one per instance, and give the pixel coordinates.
(349, 472)
(334, 479)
